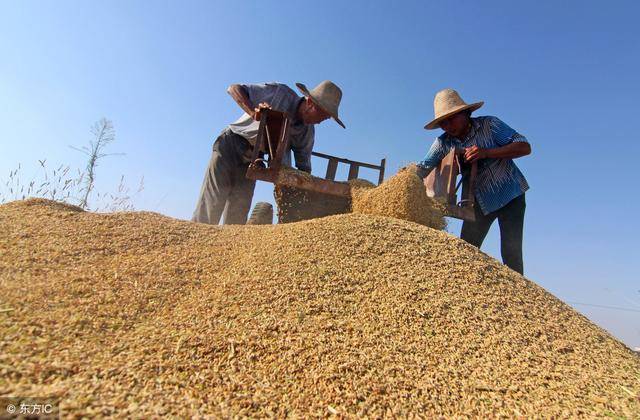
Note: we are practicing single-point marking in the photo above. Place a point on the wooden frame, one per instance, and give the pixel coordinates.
(354, 167)
(273, 139)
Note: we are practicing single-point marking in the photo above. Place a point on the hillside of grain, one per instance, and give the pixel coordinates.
(137, 314)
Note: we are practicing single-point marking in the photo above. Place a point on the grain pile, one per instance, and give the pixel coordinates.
(402, 196)
(140, 315)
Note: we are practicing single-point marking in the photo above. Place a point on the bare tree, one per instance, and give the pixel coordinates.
(61, 185)
(104, 134)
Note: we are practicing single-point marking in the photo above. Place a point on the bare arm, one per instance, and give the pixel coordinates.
(239, 94)
(510, 151)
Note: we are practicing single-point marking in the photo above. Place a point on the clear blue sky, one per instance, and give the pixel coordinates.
(564, 74)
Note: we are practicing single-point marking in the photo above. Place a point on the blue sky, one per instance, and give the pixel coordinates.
(564, 74)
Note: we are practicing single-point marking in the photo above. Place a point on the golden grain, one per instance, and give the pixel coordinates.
(140, 315)
(402, 196)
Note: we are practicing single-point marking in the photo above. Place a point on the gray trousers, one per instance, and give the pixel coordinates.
(225, 189)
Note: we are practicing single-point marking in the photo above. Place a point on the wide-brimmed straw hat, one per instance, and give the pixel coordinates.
(326, 95)
(446, 103)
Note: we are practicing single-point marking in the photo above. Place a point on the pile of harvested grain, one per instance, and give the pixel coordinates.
(402, 196)
(140, 315)
(360, 183)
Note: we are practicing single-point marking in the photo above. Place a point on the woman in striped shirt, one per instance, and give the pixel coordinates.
(500, 186)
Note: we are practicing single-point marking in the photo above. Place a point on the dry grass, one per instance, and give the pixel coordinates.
(402, 196)
(140, 315)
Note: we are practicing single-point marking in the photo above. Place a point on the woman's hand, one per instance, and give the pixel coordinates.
(474, 153)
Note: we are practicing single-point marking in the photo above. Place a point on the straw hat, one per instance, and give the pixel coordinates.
(446, 103)
(327, 96)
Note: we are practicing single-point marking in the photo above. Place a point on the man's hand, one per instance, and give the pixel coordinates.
(258, 109)
(474, 153)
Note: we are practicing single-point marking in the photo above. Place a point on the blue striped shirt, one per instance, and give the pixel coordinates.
(499, 180)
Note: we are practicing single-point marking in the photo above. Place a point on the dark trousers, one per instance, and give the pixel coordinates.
(511, 221)
(226, 191)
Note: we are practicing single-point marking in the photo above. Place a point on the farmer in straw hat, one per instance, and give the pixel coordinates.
(225, 189)
(500, 186)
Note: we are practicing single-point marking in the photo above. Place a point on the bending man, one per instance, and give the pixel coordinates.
(225, 189)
